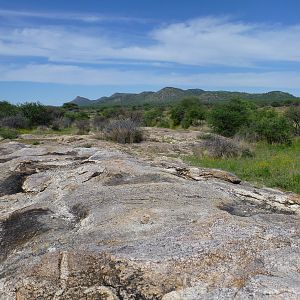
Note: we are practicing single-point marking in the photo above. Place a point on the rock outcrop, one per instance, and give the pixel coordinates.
(85, 223)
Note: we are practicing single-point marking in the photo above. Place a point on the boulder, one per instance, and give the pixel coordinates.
(112, 226)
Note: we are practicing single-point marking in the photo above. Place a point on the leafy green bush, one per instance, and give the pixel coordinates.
(227, 118)
(268, 125)
(70, 106)
(187, 112)
(35, 113)
(293, 114)
(7, 133)
(152, 116)
(7, 109)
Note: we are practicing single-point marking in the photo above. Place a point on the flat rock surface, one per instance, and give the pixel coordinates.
(100, 223)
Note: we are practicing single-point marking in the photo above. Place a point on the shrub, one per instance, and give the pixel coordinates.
(221, 147)
(123, 131)
(293, 114)
(152, 117)
(70, 106)
(35, 113)
(228, 118)
(7, 109)
(187, 112)
(7, 133)
(99, 122)
(16, 122)
(83, 126)
(70, 117)
(268, 125)
(58, 124)
(164, 122)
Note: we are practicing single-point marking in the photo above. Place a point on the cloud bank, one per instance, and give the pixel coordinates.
(245, 54)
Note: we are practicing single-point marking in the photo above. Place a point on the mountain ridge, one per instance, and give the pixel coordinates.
(171, 94)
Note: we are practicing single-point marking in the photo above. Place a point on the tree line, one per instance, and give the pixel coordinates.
(232, 118)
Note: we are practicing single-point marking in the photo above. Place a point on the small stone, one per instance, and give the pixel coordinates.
(145, 219)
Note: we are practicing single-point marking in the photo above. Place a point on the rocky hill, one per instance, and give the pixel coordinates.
(103, 223)
(170, 94)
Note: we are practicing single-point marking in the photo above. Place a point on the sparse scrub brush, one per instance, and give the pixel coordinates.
(123, 131)
(221, 147)
(83, 126)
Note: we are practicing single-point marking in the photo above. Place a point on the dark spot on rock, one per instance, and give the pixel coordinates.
(120, 179)
(79, 211)
(249, 208)
(19, 228)
(62, 153)
(4, 160)
(12, 184)
(95, 174)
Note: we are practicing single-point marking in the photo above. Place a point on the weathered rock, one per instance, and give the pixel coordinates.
(101, 224)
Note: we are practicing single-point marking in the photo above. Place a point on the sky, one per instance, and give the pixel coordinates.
(53, 50)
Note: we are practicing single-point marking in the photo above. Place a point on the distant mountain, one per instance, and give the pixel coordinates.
(170, 94)
(81, 101)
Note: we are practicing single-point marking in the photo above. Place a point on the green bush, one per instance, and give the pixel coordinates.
(228, 118)
(70, 106)
(152, 116)
(187, 112)
(36, 114)
(293, 114)
(7, 109)
(270, 126)
(7, 133)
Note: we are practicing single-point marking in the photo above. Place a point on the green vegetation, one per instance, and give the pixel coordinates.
(273, 129)
(7, 133)
(293, 114)
(228, 118)
(268, 125)
(273, 165)
(188, 112)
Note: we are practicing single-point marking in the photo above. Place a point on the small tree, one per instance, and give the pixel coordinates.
(35, 113)
(270, 126)
(227, 118)
(69, 106)
(7, 109)
(293, 114)
(187, 112)
(152, 116)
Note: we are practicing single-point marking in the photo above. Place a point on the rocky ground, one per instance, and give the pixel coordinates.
(82, 218)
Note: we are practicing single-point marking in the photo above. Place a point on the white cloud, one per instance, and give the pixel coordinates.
(88, 18)
(201, 42)
(69, 74)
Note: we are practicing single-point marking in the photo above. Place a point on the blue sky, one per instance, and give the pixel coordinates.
(52, 51)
